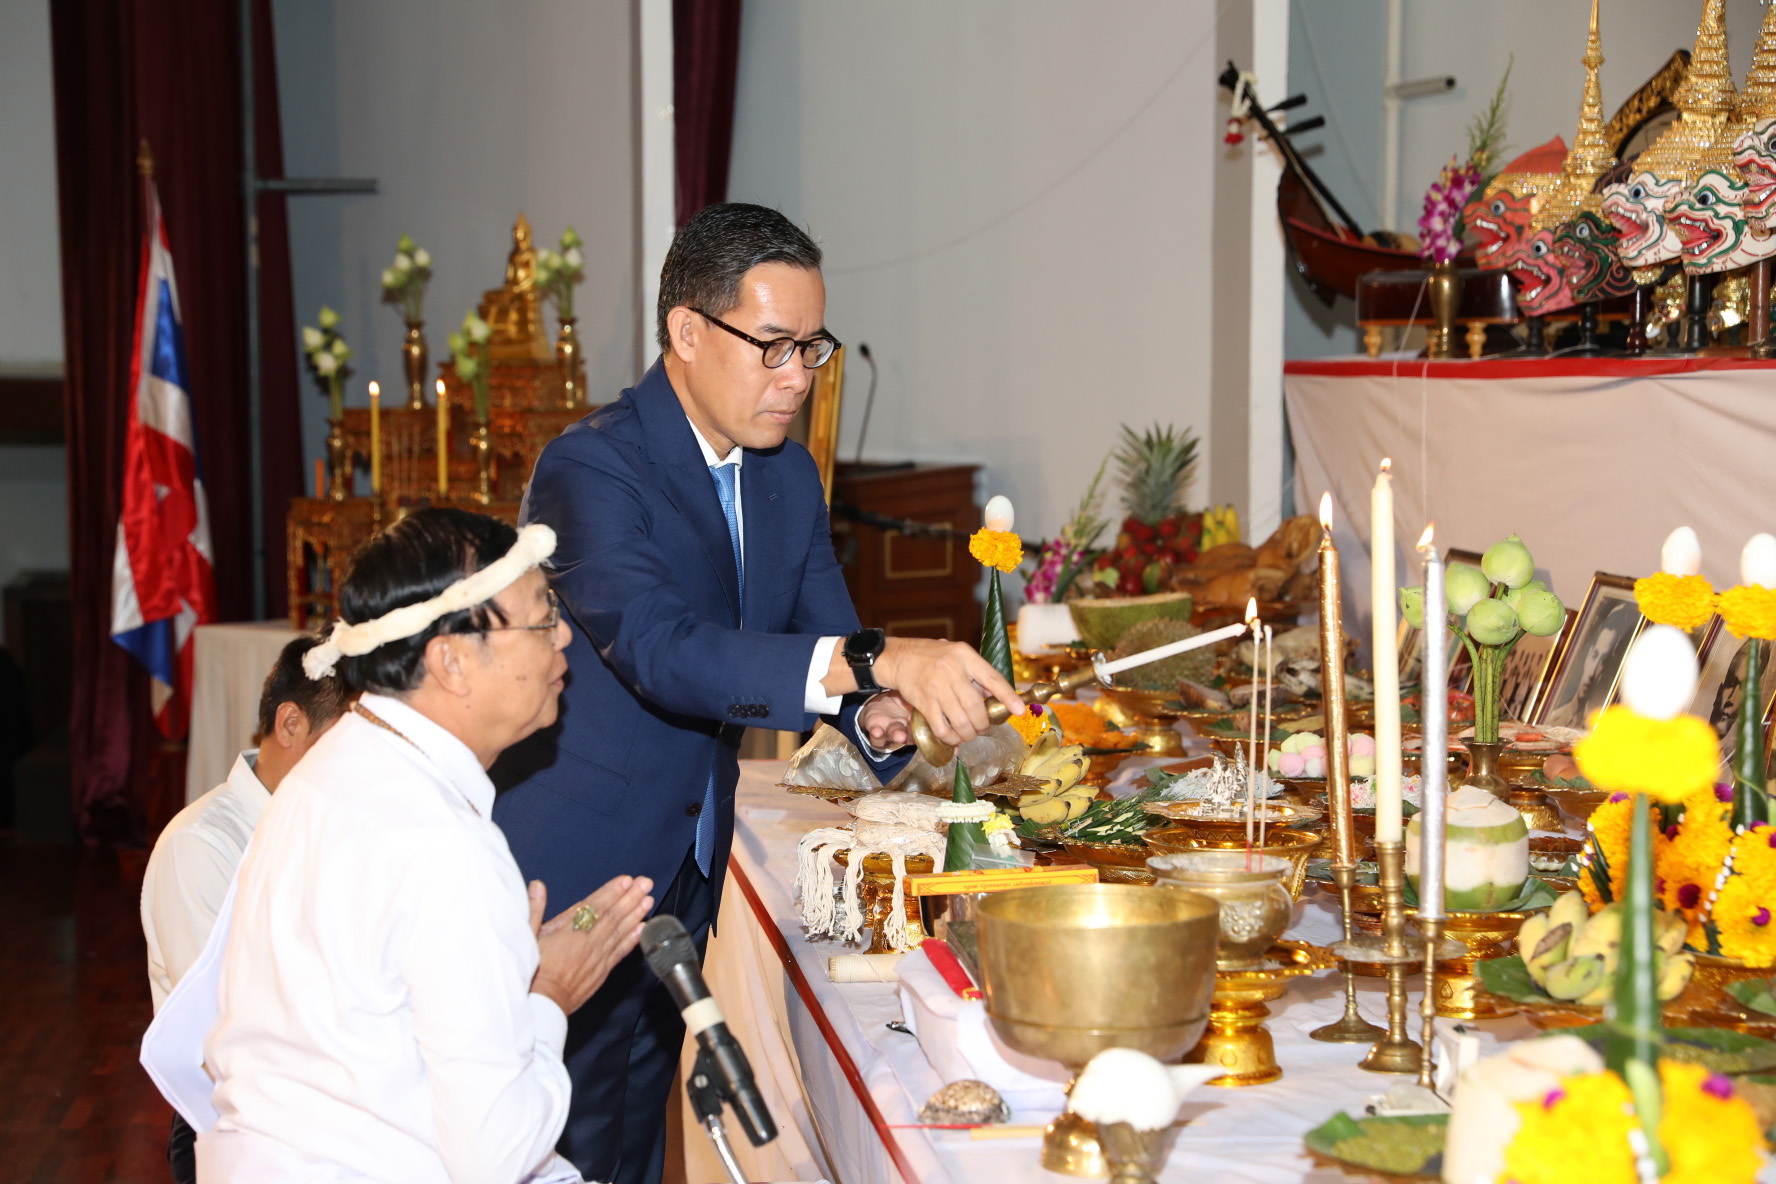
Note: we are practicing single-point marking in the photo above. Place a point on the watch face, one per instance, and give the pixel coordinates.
(865, 645)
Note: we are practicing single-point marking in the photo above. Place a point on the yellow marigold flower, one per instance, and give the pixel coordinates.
(1031, 724)
(1749, 611)
(1683, 601)
(997, 548)
(1742, 912)
(1578, 1132)
(1710, 1132)
(1690, 861)
(1606, 850)
(1667, 759)
(998, 822)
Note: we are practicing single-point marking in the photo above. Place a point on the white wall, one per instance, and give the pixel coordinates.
(1337, 54)
(467, 114)
(1014, 205)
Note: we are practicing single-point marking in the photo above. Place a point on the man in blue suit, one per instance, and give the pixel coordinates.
(695, 565)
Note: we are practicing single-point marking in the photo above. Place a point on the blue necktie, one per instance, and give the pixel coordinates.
(725, 477)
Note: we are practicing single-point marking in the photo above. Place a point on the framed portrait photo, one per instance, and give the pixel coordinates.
(1585, 673)
(1720, 691)
(1526, 670)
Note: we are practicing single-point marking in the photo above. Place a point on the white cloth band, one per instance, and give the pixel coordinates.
(701, 1016)
(535, 544)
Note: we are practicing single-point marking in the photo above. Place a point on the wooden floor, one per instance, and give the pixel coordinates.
(75, 1106)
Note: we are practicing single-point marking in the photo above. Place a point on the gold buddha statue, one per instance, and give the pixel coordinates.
(515, 311)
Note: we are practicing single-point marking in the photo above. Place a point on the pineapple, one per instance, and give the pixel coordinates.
(1157, 533)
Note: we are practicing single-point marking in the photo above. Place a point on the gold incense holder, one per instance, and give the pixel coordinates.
(875, 892)
(1291, 846)
(1237, 1039)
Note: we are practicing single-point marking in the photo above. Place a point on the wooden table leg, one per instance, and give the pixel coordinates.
(1372, 340)
(1476, 339)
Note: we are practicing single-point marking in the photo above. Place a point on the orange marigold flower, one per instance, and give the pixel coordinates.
(1743, 913)
(1749, 611)
(1603, 864)
(1584, 1122)
(1683, 601)
(1667, 759)
(1031, 724)
(997, 548)
(1709, 1131)
(1689, 862)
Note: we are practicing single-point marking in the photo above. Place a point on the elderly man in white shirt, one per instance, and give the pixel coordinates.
(194, 859)
(392, 1005)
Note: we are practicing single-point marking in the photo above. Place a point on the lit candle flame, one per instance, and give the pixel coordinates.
(375, 391)
(439, 388)
(1251, 609)
(1387, 464)
(1424, 540)
(1326, 510)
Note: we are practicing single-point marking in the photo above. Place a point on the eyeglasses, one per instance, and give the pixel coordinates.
(815, 351)
(546, 625)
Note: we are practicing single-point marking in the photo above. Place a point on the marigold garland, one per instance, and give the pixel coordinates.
(1749, 611)
(1741, 912)
(1610, 827)
(997, 548)
(1578, 1134)
(1710, 1133)
(1667, 759)
(1683, 601)
(1081, 725)
(1690, 862)
(1031, 724)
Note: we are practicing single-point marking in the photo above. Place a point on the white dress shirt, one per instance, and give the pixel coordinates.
(376, 1018)
(189, 873)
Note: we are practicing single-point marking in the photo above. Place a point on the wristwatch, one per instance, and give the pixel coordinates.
(862, 649)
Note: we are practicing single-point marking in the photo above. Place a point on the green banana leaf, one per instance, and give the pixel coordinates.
(1406, 1146)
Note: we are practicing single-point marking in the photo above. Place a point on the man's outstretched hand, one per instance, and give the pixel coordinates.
(944, 681)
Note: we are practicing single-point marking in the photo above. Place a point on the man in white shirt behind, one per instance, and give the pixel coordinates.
(194, 859)
(391, 1004)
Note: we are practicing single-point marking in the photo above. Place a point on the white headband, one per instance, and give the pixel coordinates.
(535, 544)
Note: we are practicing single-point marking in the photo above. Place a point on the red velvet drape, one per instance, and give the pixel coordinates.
(166, 71)
(705, 58)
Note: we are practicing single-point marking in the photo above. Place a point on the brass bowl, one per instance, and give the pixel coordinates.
(1412, 763)
(1293, 846)
(1255, 907)
(1579, 803)
(1116, 863)
(1070, 970)
(1514, 764)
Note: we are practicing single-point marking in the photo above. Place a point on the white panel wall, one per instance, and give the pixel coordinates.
(1013, 196)
(467, 113)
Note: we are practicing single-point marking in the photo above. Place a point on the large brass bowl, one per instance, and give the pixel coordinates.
(1071, 970)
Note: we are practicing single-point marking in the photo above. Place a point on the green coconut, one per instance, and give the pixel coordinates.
(1486, 856)
(1102, 621)
(1196, 665)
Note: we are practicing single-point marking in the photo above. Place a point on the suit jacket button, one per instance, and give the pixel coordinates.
(694, 809)
(736, 711)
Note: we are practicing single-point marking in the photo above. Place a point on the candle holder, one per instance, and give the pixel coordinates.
(1396, 1052)
(338, 461)
(1351, 1028)
(481, 441)
(1431, 929)
(413, 364)
(570, 359)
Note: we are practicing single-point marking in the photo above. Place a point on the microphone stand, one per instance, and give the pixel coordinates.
(706, 1103)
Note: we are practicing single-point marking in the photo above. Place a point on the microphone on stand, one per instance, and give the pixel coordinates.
(869, 402)
(671, 956)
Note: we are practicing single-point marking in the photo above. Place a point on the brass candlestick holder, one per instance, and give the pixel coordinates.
(1431, 928)
(1396, 1052)
(1351, 1028)
(481, 445)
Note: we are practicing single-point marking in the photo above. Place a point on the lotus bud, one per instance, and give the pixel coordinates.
(325, 364)
(1508, 562)
(328, 318)
(1515, 596)
(1757, 563)
(340, 350)
(403, 263)
(1491, 622)
(1682, 553)
(1465, 587)
(422, 258)
(570, 238)
(1412, 606)
(1659, 675)
(405, 244)
(465, 367)
(573, 258)
(391, 278)
(476, 329)
(998, 515)
(1541, 613)
(312, 338)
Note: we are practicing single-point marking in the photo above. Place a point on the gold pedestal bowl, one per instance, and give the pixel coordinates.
(1255, 908)
(1150, 717)
(1071, 970)
(875, 892)
(1236, 1038)
(1292, 846)
(1482, 936)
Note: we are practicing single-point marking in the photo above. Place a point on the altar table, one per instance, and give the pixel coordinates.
(1592, 461)
(842, 1084)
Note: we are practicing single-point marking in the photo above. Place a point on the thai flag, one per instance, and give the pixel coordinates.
(162, 582)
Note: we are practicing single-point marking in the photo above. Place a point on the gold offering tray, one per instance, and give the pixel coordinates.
(1274, 813)
(1236, 1038)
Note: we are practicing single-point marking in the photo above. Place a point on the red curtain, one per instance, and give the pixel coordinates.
(705, 57)
(166, 71)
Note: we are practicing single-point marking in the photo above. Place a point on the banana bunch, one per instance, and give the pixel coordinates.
(1572, 955)
(1221, 524)
(1059, 767)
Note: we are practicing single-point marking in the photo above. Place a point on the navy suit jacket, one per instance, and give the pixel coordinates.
(663, 674)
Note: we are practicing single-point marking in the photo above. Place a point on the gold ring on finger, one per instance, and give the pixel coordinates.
(584, 918)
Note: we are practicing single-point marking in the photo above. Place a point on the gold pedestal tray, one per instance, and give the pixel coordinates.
(1116, 863)
(1537, 809)
(1482, 936)
(876, 894)
(1150, 718)
(1580, 803)
(1236, 1038)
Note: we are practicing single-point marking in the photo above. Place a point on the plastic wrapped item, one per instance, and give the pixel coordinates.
(830, 761)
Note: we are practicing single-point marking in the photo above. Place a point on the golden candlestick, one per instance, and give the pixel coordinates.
(1350, 1028)
(1396, 1052)
(1432, 930)
(443, 442)
(481, 443)
(375, 439)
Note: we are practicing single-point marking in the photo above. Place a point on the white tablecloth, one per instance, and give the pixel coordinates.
(1593, 462)
(1250, 1135)
(229, 664)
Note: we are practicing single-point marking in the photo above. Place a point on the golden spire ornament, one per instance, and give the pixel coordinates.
(1706, 101)
(1590, 156)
